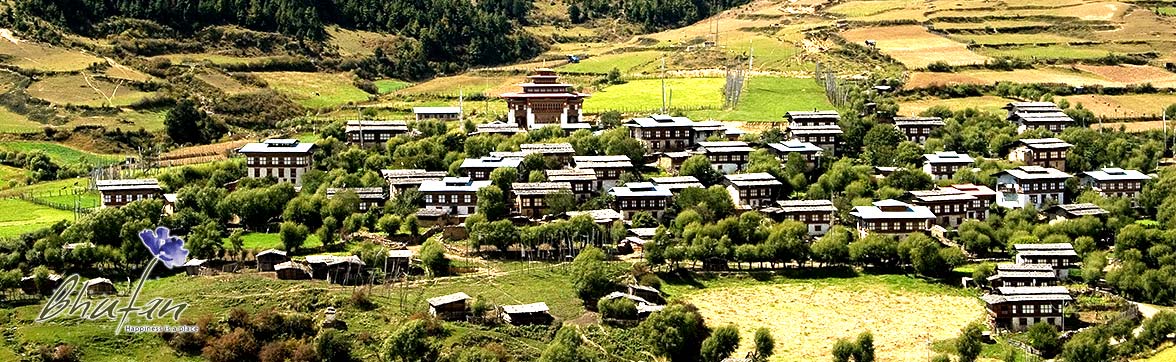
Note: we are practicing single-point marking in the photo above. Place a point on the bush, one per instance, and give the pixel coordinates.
(433, 258)
(590, 275)
(617, 308)
(236, 346)
(939, 66)
(1044, 338)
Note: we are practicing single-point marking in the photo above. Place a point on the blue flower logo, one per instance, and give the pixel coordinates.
(168, 249)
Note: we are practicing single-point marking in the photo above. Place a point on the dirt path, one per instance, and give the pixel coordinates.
(1147, 311)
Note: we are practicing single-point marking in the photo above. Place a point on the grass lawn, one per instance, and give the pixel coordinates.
(60, 153)
(1167, 355)
(263, 241)
(815, 308)
(15, 123)
(73, 89)
(19, 216)
(386, 86)
(604, 63)
(645, 95)
(767, 98)
(315, 90)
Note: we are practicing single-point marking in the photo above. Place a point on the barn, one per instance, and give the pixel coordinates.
(449, 307)
(524, 314)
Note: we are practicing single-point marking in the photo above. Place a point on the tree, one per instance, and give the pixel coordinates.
(843, 350)
(590, 275)
(880, 144)
(721, 343)
(700, 167)
(865, 348)
(433, 258)
(560, 202)
(187, 124)
(833, 247)
(567, 347)
(1170, 112)
(675, 332)
(504, 177)
(333, 346)
(293, 235)
(237, 241)
(1087, 346)
(492, 202)
(204, 242)
(764, 344)
(1043, 337)
(982, 272)
(410, 343)
(970, 342)
(643, 219)
(875, 249)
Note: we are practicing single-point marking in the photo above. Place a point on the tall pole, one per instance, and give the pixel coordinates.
(663, 84)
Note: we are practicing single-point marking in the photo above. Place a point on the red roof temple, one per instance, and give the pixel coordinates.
(545, 101)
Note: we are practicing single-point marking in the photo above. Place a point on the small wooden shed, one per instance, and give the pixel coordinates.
(648, 293)
(99, 286)
(292, 271)
(193, 266)
(524, 314)
(398, 262)
(449, 307)
(346, 270)
(29, 284)
(266, 260)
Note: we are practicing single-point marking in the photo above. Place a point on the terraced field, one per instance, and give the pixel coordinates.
(82, 90)
(315, 90)
(914, 46)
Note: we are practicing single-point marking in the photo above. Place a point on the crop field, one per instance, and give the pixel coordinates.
(73, 89)
(1168, 354)
(1132, 74)
(1113, 76)
(904, 314)
(1016, 38)
(35, 56)
(770, 53)
(12, 177)
(914, 46)
(983, 103)
(120, 71)
(261, 241)
(386, 86)
(624, 62)
(1167, 11)
(315, 90)
(866, 8)
(1059, 51)
(1130, 105)
(1136, 126)
(470, 84)
(645, 95)
(60, 153)
(767, 98)
(15, 123)
(990, 24)
(19, 216)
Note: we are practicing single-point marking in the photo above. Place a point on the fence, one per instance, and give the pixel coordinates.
(80, 206)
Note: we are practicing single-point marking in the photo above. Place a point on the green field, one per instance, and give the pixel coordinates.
(15, 123)
(263, 241)
(315, 90)
(866, 8)
(645, 95)
(1167, 11)
(60, 191)
(74, 89)
(45, 58)
(767, 98)
(624, 62)
(60, 153)
(11, 177)
(19, 216)
(386, 86)
(990, 104)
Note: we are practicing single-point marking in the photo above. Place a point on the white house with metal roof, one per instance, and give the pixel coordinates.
(457, 195)
(1115, 182)
(892, 217)
(283, 159)
(1030, 185)
(944, 164)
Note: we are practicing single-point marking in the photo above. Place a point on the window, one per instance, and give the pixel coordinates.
(428, 199)
(466, 198)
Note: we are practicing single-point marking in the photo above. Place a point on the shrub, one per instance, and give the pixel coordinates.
(1044, 338)
(939, 66)
(617, 308)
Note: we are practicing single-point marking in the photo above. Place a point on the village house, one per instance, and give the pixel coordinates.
(892, 217)
(530, 198)
(440, 113)
(497, 127)
(369, 197)
(1023, 275)
(818, 127)
(433, 217)
(99, 286)
(525, 314)
(400, 180)
(449, 307)
(283, 159)
(943, 165)
(292, 271)
(318, 265)
(663, 133)
(599, 216)
(950, 206)
(677, 183)
(635, 197)
(672, 161)
(266, 260)
(479, 169)
(918, 129)
(608, 169)
(984, 198)
(1044, 152)
(1073, 211)
(817, 215)
(807, 151)
(1029, 115)
(544, 101)
(457, 195)
(561, 153)
(116, 193)
(753, 190)
(1030, 185)
(1115, 182)
(583, 181)
(373, 133)
(705, 130)
(1018, 308)
(1059, 255)
(726, 156)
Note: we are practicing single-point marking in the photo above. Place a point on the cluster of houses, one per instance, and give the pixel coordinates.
(456, 307)
(1028, 291)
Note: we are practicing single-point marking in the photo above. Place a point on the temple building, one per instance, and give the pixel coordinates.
(545, 101)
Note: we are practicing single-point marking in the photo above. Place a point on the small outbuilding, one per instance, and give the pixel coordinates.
(194, 266)
(524, 314)
(29, 284)
(449, 307)
(99, 286)
(292, 271)
(346, 270)
(648, 293)
(266, 260)
(399, 262)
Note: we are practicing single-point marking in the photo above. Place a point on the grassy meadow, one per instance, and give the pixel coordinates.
(315, 90)
(624, 62)
(767, 98)
(19, 216)
(645, 95)
(60, 153)
(75, 90)
(262, 241)
(45, 58)
(16, 123)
